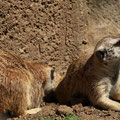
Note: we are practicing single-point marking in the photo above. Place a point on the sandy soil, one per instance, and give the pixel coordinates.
(57, 32)
(82, 112)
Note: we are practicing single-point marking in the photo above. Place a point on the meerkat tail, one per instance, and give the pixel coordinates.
(107, 103)
(33, 111)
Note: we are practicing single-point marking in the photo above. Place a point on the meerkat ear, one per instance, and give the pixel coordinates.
(100, 54)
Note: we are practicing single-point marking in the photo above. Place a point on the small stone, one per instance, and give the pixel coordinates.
(84, 42)
(65, 110)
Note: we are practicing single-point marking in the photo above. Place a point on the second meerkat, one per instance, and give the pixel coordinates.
(97, 78)
(23, 84)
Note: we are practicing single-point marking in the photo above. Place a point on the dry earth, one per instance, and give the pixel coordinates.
(57, 32)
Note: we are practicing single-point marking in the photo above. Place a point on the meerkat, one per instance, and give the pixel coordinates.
(23, 84)
(96, 77)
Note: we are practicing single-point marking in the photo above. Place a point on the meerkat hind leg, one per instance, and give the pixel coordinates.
(33, 111)
(107, 103)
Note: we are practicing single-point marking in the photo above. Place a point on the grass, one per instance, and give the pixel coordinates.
(40, 115)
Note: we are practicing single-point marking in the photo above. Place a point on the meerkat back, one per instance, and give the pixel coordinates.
(23, 84)
(66, 88)
(14, 84)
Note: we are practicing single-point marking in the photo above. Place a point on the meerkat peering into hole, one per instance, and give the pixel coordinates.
(23, 84)
(97, 78)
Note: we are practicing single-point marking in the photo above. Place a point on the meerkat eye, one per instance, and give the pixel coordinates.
(100, 54)
(117, 44)
(52, 74)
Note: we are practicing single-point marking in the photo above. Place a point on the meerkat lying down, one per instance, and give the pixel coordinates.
(97, 78)
(23, 84)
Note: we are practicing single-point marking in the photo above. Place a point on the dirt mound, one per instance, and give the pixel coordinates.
(57, 32)
(43, 30)
(77, 112)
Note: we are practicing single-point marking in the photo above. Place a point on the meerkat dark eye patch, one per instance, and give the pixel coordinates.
(117, 44)
(52, 74)
(100, 54)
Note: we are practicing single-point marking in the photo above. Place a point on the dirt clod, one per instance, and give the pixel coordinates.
(64, 110)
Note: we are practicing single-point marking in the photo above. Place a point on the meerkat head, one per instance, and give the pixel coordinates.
(107, 50)
(54, 78)
(51, 80)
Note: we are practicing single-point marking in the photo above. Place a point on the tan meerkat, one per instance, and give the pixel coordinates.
(23, 84)
(97, 78)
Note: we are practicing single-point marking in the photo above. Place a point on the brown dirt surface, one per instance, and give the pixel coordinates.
(57, 112)
(58, 32)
